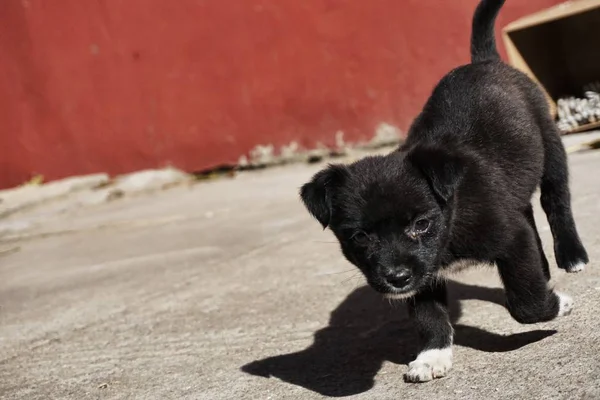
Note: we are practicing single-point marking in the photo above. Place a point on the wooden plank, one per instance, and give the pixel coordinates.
(584, 128)
(553, 13)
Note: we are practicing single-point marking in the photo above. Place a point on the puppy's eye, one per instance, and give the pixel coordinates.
(361, 238)
(421, 225)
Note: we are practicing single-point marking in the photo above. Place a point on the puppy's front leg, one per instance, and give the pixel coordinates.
(429, 311)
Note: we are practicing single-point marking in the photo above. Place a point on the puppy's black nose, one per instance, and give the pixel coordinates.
(399, 279)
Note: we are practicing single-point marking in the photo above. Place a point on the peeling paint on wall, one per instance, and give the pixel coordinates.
(266, 154)
(385, 134)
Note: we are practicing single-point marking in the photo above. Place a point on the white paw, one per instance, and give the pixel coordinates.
(430, 364)
(565, 304)
(580, 266)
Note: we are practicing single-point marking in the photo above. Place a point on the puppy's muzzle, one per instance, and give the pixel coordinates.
(399, 279)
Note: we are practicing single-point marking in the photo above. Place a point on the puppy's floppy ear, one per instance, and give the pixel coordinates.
(442, 169)
(317, 194)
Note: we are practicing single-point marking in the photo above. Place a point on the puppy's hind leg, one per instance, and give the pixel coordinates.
(528, 298)
(544, 260)
(556, 202)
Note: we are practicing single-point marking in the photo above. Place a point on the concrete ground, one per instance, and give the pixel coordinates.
(229, 290)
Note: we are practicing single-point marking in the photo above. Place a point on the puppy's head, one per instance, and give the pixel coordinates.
(391, 214)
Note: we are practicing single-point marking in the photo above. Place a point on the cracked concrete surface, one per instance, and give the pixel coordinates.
(229, 290)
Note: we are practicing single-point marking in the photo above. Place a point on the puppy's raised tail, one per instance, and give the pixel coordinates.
(483, 41)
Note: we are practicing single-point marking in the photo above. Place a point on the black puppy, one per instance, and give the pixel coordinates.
(457, 193)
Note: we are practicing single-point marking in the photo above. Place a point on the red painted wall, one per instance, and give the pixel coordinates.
(121, 85)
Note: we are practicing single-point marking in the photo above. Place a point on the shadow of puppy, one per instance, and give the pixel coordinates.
(365, 330)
